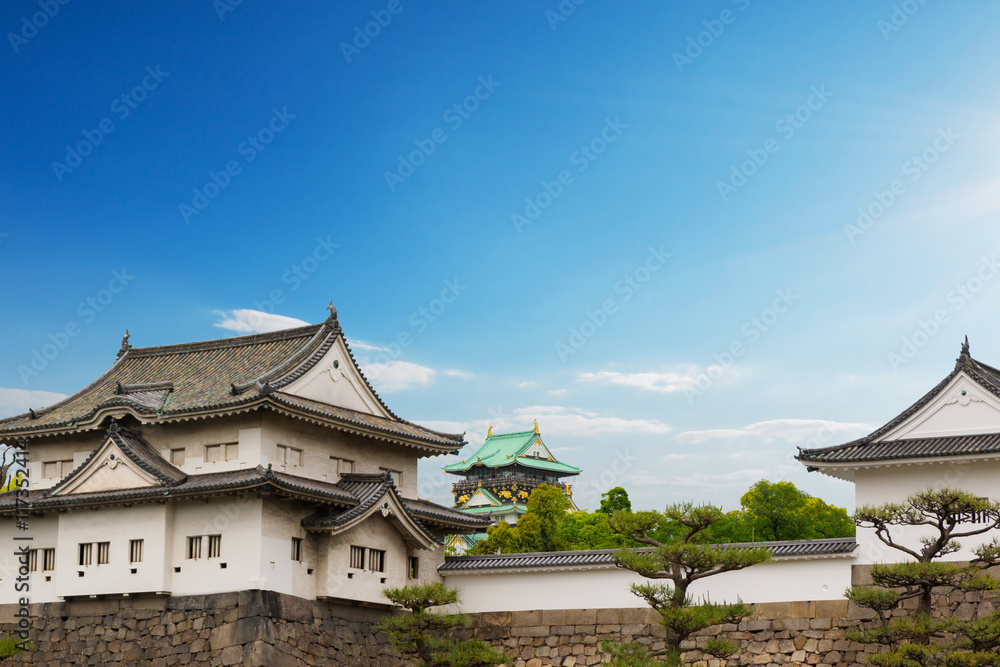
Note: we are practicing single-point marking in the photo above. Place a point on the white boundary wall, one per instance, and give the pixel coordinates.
(784, 580)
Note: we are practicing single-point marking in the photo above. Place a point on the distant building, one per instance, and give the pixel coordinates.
(255, 462)
(499, 477)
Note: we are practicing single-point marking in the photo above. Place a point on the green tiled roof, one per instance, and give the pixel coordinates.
(505, 449)
(502, 509)
(489, 496)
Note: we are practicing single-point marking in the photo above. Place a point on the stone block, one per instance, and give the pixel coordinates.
(581, 617)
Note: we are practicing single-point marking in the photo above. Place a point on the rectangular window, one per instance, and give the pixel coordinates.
(57, 469)
(226, 452)
(342, 466)
(376, 560)
(103, 553)
(86, 553)
(49, 560)
(289, 455)
(33, 560)
(194, 547)
(135, 551)
(397, 475)
(177, 456)
(358, 558)
(214, 546)
(414, 568)
(297, 549)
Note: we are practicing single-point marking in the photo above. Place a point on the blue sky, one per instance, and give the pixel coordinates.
(612, 200)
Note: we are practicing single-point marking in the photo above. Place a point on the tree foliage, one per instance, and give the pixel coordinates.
(922, 638)
(683, 561)
(430, 637)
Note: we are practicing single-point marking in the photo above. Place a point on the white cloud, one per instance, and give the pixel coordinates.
(560, 420)
(255, 321)
(808, 432)
(557, 392)
(396, 376)
(666, 382)
(16, 401)
(360, 345)
(527, 383)
(461, 375)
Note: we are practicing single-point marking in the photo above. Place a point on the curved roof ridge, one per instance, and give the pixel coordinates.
(222, 343)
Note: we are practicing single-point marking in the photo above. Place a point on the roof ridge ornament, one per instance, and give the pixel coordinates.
(333, 313)
(536, 426)
(125, 345)
(964, 357)
(113, 427)
(489, 431)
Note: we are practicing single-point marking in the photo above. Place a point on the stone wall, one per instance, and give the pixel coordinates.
(253, 628)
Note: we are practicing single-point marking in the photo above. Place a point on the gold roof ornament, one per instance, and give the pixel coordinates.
(489, 431)
(536, 426)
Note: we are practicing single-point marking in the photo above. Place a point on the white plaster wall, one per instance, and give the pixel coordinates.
(876, 486)
(778, 581)
(319, 443)
(239, 521)
(281, 522)
(44, 533)
(195, 436)
(118, 526)
(76, 448)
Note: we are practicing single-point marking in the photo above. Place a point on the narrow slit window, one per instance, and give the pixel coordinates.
(135, 551)
(214, 546)
(86, 553)
(358, 558)
(297, 549)
(49, 560)
(103, 553)
(194, 547)
(376, 560)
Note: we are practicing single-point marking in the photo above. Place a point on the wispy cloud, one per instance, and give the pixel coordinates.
(461, 375)
(557, 392)
(248, 321)
(395, 375)
(527, 383)
(779, 431)
(665, 382)
(16, 401)
(561, 420)
(361, 345)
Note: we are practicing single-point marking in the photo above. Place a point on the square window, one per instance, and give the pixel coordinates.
(358, 558)
(214, 453)
(342, 466)
(177, 456)
(289, 455)
(376, 560)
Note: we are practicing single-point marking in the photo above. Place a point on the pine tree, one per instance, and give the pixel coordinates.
(430, 637)
(683, 561)
(923, 638)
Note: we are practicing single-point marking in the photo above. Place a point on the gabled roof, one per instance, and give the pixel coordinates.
(508, 449)
(173, 382)
(487, 495)
(880, 445)
(604, 558)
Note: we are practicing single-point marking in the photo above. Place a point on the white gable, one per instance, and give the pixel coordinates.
(107, 471)
(962, 408)
(335, 380)
(479, 499)
(538, 450)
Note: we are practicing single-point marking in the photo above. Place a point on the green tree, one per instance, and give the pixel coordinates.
(780, 511)
(615, 500)
(683, 562)
(541, 528)
(921, 638)
(430, 637)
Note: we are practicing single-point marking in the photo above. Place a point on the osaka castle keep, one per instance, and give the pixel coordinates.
(256, 462)
(500, 475)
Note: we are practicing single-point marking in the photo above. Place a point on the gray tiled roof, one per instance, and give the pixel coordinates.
(873, 448)
(605, 557)
(170, 381)
(445, 517)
